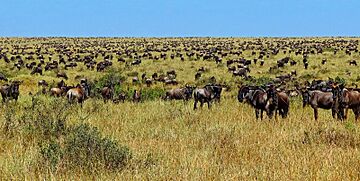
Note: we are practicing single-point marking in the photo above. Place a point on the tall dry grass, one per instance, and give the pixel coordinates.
(171, 141)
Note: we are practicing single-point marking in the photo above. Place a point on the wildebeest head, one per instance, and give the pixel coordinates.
(305, 96)
(243, 91)
(188, 91)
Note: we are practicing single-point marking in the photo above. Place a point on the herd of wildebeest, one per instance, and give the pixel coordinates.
(63, 54)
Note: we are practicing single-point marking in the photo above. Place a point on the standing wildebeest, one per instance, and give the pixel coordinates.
(256, 97)
(10, 91)
(56, 91)
(107, 93)
(319, 99)
(347, 99)
(278, 102)
(179, 93)
(137, 96)
(207, 94)
(80, 92)
(121, 98)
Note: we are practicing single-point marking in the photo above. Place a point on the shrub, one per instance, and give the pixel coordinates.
(86, 148)
(258, 81)
(146, 93)
(111, 77)
(51, 154)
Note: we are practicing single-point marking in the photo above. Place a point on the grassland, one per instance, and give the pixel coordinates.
(170, 141)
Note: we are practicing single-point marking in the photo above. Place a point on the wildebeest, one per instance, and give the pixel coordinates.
(256, 97)
(207, 94)
(37, 70)
(136, 96)
(347, 99)
(136, 62)
(353, 62)
(278, 102)
(184, 93)
(319, 99)
(107, 92)
(57, 92)
(10, 91)
(62, 75)
(121, 97)
(80, 92)
(43, 83)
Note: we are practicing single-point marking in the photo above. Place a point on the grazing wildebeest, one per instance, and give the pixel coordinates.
(319, 99)
(37, 70)
(241, 72)
(10, 91)
(353, 62)
(43, 83)
(107, 92)
(57, 92)
(179, 93)
(136, 96)
(62, 75)
(136, 62)
(80, 92)
(207, 94)
(347, 99)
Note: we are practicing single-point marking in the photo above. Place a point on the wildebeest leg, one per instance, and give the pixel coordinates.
(315, 113)
(3, 97)
(333, 112)
(80, 101)
(257, 113)
(201, 103)
(195, 103)
(286, 111)
(346, 113)
(357, 113)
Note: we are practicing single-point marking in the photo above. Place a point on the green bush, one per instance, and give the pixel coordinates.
(51, 154)
(258, 81)
(111, 77)
(146, 93)
(86, 148)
